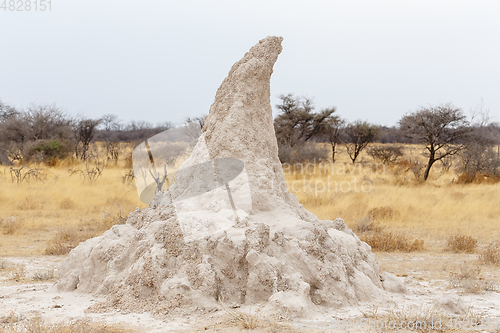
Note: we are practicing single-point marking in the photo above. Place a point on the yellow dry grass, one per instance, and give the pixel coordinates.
(396, 200)
(66, 209)
(33, 213)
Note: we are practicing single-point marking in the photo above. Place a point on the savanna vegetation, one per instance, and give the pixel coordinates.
(428, 184)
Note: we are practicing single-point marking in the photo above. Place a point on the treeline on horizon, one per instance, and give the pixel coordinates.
(41, 133)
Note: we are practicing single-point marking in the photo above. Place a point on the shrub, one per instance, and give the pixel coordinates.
(67, 203)
(415, 166)
(390, 241)
(305, 152)
(11, 225)
(367, 224)
(477, 178)
(383, 213)
(67, 239)
(44, 275)
(479, 163)
(461, 243)
(49, 151)
(386, 154)
(491, 254)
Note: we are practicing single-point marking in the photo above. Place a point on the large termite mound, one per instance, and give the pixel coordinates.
(247, 242)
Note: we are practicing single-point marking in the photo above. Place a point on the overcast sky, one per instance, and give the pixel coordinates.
(164, 60)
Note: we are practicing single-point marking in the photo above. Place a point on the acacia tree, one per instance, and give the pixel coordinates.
(444, 131)
(333, 129)
(295, 125)
(358, 135)
(297, 121)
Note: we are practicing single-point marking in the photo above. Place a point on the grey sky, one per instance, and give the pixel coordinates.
(164, 60)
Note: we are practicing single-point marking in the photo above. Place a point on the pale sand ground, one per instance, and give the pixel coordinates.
(425, 274)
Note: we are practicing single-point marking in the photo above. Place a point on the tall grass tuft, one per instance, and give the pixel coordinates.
(461, 243)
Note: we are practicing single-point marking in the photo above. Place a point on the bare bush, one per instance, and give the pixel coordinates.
(94, 166)
(112, 150)
(128, 178)
(27, 174)
(478, 160)
(84, 130)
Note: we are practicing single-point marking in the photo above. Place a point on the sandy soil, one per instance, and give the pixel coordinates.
(27, 290)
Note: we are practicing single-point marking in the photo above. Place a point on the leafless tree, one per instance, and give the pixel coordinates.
(359, 134)
(193, 126)
(85, 129)
(443, 130)
(138, 125)
(478, 156)
(110, 122)
(22, 131)
(163, 126)
(6, 111)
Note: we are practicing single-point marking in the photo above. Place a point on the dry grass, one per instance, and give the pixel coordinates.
(391, 241)
(469, 278)
(18, 324)
(67, 238)
(491, 254)
(367, 224)
(56, 214)
(461, 243)
(396, 200)
(19, 273)
(255, 322)
(247, 320)
(10, 225)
